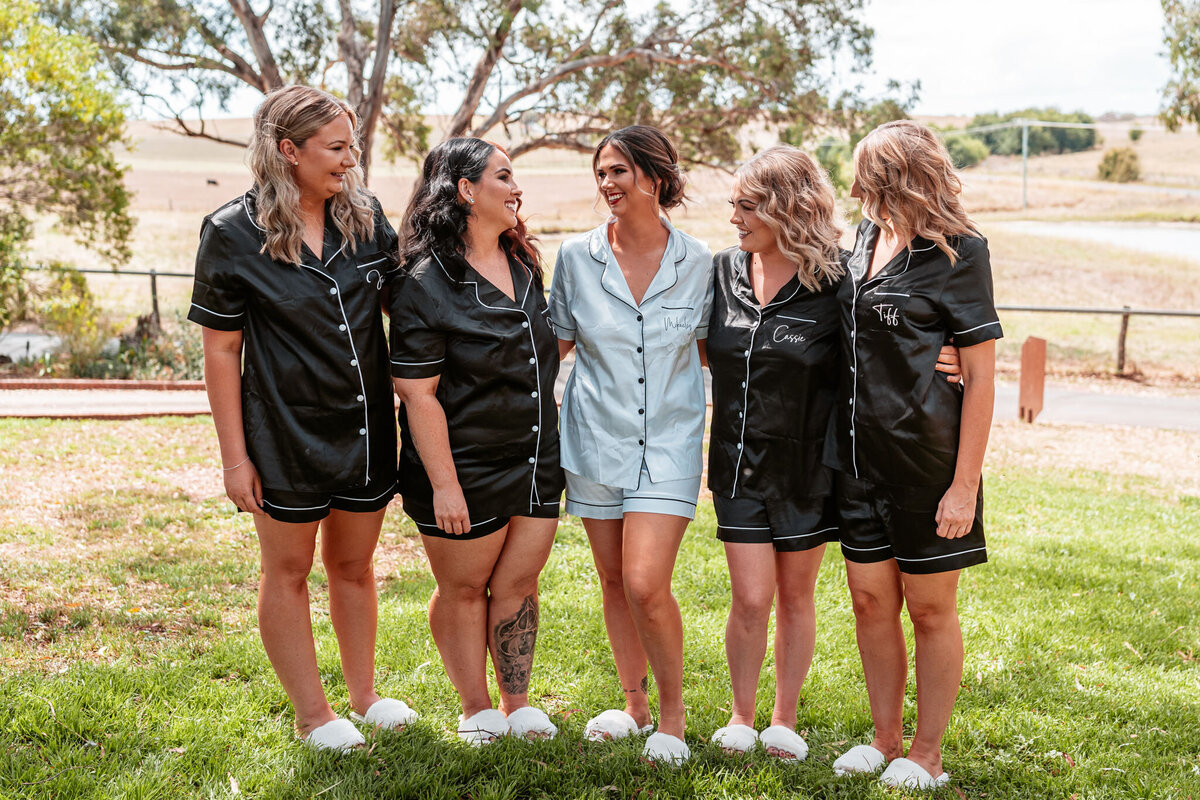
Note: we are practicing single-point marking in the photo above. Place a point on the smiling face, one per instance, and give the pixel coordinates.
(495, 198)
(753, 234)
(625, 188)
(320, 164)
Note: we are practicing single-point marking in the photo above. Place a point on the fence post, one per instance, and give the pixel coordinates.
(154, 298)
(1024, 164)
(1121, 341)
(1032, 379)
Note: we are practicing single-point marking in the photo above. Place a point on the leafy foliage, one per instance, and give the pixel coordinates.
(965, 150)
(1181, 35)
(1007, 142)
(61, 120)
(545, 73)
(1120, 165)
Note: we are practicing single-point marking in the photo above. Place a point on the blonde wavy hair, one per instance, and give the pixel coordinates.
(796, 203)
(908, 184)
(296, 113)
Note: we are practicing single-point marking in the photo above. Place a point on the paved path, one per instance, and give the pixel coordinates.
(1063, 403)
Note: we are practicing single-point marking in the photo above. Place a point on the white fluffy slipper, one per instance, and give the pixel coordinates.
(666, 749)
(905, 774)
(612, 724)
(735, 738)
(483, 727)
(337, 734)
(388, 714)
(862, 759)
(531, 723)
(788, 745)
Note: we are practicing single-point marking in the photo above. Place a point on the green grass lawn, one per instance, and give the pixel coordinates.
(131, 666)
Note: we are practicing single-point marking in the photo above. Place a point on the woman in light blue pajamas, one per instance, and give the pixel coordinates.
(632, 297)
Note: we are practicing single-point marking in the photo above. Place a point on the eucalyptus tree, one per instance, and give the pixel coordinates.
(550, 73)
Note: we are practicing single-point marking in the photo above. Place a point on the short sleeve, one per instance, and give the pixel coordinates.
(560, 308)
(967, 301)
(418, 343)
(706, 306)
(218, 300)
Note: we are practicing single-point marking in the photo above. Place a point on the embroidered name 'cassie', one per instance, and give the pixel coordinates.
(781, 335)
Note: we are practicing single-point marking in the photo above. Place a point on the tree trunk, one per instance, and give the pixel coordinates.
(371, 106)
(253, 25)
(462, 118)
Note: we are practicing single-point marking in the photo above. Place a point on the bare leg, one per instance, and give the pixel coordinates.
(458, 611)
(650, 545)
(933, 607)
(513, 606)
(605, 538)
(795, 629)
(752, 579)
(875, 591)
(283, 616)
(347, 548)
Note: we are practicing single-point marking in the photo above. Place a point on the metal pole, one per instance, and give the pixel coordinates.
(1121, 342)
(1024, 165)
(154, 298)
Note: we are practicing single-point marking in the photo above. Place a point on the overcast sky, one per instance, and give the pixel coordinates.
(973, 56)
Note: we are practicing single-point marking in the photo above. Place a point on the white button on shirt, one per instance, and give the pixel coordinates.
(637, 391)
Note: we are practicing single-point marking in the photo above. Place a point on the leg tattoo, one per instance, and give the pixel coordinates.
(515, 638)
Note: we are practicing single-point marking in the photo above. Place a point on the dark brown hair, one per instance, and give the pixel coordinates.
(436, 220)
(652, 152)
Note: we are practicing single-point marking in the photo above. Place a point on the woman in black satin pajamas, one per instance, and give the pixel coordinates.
(289, 282)
(474, 361)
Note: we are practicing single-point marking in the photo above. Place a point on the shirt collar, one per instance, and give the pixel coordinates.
(614, 282)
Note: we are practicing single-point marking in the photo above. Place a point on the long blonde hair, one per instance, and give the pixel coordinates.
(296, 113)
(796, 203)
(908, 184)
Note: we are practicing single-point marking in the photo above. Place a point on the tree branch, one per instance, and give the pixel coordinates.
(483, 70)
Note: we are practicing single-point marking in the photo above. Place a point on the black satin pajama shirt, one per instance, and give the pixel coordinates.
(316, 399)
(497, 360)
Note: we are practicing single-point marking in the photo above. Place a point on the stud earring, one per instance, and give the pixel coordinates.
(471, 200)
(295, 163)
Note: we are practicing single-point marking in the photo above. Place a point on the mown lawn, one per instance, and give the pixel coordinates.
(132, 668)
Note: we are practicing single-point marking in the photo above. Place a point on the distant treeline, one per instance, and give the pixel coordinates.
(969, 149)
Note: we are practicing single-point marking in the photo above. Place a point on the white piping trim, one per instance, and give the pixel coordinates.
(219, 314)
(357, 367)
(416, 363)
(367, 499)
(892, 294)
(854, 350)
(371, 263)
(865, 549)
(947, 555)
(977, 327)
(806, 535)
(267, 502)
(797, 319)
(249, 216)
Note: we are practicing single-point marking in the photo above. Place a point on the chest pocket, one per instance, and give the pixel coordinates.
(373, 267)
(673, 324)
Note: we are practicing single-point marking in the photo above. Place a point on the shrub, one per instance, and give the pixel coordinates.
(966, 150)
(1120, 165)
(1135, 134)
